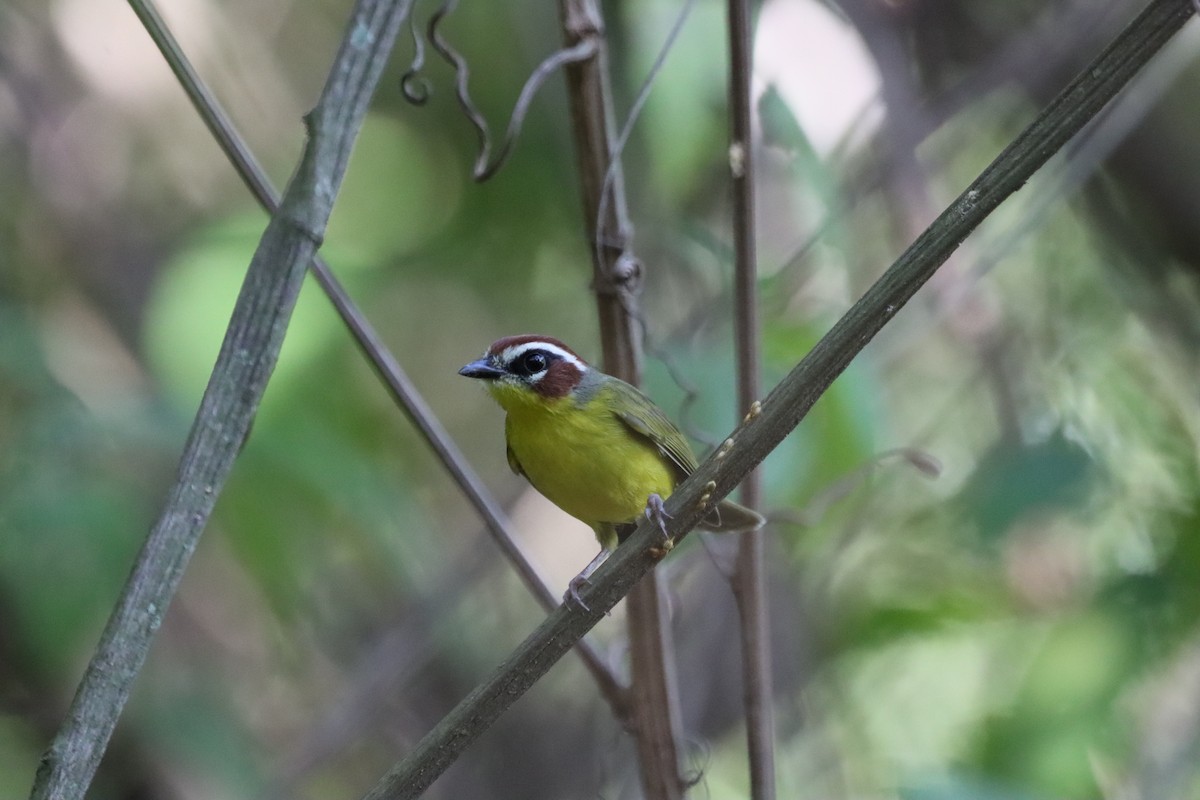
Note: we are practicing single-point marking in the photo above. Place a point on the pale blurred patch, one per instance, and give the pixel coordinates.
(821, 68)
(559, 544)
(115, 55)
(85, 355)
(136, 119)
(84, 159)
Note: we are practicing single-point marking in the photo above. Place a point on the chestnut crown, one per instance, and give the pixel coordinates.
(542, 363)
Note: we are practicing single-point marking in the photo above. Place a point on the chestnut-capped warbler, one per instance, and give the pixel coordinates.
(595, 446)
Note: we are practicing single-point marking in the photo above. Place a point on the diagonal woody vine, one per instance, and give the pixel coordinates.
(779, 413)
(247, 357)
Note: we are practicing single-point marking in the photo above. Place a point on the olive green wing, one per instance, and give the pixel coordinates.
(646, 419)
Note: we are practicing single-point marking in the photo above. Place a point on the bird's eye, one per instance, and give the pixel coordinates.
(532, 363)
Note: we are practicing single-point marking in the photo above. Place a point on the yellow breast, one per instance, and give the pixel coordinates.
(585, 460)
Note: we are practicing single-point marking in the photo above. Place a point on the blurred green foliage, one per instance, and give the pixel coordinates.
(1023, 627)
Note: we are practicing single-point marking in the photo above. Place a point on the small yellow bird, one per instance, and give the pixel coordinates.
(594, 445)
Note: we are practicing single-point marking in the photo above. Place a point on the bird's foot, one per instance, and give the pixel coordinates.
(572, 594)
(656, 512)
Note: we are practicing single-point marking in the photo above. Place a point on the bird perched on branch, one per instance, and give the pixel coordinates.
(594, 445)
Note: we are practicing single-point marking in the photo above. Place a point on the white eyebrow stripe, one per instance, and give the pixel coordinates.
(510, 354)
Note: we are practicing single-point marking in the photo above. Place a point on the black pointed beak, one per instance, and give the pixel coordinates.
(481, 368)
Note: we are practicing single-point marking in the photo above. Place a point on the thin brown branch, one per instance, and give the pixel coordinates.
(605, 214)
(749, 589)
(402, 389)
(655, 708)
(779, 413)
(244, 365)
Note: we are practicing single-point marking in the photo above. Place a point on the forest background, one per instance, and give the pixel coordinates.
(1022, 625)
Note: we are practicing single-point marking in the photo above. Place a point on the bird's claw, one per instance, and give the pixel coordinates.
(656, 512)
(572, 594)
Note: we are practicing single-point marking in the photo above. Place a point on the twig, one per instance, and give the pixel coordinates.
(655, 706)
(605, 213)
(749, 584)
(416, 89)
(554, 61)
(787, 404)
(635, 112)
(246, 360)
(385, 365)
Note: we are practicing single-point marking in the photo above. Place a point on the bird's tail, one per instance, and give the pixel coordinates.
(730, 517)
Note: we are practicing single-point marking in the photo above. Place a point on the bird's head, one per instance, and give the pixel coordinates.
(529, 370)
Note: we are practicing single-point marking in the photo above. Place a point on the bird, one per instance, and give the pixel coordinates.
(595, 446)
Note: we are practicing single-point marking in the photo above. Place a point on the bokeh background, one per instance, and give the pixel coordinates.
(1024, 625)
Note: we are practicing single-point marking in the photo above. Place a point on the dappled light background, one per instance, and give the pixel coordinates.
(985, 540)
